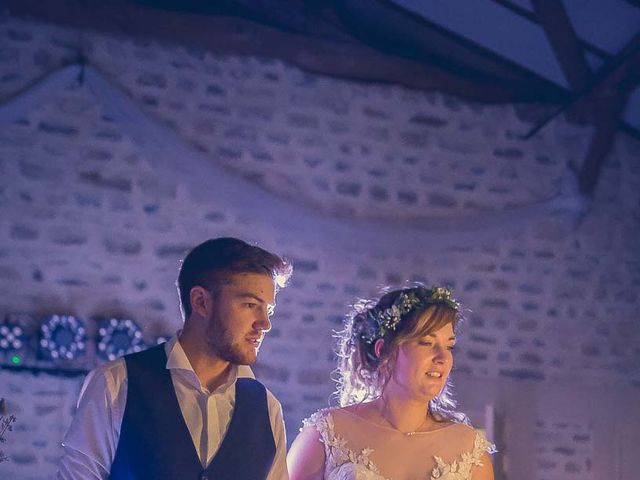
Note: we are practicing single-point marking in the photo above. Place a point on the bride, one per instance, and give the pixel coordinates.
(397, 419)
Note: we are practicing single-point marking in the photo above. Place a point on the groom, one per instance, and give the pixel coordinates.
(191, 408)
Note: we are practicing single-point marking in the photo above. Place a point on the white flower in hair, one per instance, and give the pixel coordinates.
(389, 318)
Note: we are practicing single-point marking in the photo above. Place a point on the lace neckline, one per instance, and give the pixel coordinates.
(338, 452)
(395, 430)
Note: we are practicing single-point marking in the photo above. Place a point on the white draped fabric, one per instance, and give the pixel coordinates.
(211, 183)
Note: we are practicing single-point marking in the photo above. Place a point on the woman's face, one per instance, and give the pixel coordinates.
(423, 365)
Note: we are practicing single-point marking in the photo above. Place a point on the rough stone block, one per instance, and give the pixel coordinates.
(108, 135)
(24, 232)
(68, 237)
(97, 179)
(477, 355)
(375, 113)
(9, 273)
(152, 80)
(407, 198)
(414, 139)
(53, 128)
(309, 376)
(430, 121)
(350, 189)
(119, 245)
(227, 153)
(301, 120)
(530, 358)
(441, 200)
(305, 266)
(215, 217)
(509, 153)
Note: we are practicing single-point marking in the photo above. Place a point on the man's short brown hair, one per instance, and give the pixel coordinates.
(212, 264)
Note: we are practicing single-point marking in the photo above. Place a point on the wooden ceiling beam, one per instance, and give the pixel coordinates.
(619, 72)
(237, 36)
(607, 122)
(607, 103)
(564, 41)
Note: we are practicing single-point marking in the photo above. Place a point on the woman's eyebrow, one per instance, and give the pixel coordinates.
(433, 335)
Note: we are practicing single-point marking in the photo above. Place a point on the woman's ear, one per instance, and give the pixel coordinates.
(377, 347)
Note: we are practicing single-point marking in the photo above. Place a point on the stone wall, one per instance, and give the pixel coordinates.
(92, 225)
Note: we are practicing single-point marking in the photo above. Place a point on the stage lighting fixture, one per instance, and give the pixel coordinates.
(117, 337)
(15, 338)
(62, 338)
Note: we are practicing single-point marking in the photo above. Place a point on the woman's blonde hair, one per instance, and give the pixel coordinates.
(362, 375)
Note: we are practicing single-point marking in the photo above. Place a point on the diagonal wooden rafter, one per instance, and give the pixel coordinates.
(615, 69)
(601, 100)
(565, 42)
(607, 103)
(606, 123)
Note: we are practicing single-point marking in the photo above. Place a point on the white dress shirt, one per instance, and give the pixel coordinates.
(91, 441)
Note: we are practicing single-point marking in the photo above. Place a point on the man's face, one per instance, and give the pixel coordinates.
(240, 317)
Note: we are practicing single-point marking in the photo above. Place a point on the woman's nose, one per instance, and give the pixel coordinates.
(438, 354)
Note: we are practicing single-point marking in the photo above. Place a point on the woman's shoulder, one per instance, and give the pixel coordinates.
(326, 420)
(474, 439)
(321, 416)
(470, 439)
(330, 413)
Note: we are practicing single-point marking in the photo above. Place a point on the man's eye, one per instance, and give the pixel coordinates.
(251, 305)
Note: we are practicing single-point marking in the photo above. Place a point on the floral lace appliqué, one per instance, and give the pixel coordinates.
(460, 469)
(335, 446)
(339, 456)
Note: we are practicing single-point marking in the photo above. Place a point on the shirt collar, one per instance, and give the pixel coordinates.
(177, 361)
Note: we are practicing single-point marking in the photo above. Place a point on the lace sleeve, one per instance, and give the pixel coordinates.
(321, 422)
(460, 469)
(336, 450)
(480, 446)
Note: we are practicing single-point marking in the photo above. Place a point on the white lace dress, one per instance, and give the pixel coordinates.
(357, 449)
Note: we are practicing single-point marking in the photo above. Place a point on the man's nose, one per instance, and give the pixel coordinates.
(263, 322)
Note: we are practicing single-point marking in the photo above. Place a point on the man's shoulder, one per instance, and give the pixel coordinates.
(108, 376)
(110, 368)
(118, 365)
(272, 399)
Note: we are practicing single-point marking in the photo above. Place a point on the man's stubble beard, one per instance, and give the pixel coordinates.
(221, 344)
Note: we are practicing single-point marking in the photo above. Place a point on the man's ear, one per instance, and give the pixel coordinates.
(200, 300)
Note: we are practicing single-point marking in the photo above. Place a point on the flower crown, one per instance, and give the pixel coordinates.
(389, 318)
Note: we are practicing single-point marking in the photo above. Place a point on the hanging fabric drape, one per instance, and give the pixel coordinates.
(210, 183)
